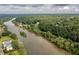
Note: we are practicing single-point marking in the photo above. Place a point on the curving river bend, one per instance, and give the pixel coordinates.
(35, 45)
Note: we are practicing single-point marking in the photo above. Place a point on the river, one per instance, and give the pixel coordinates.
(35, 45)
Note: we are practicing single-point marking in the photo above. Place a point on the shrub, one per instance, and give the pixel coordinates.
(23, 34)
(6, 33)
(13, 36)
(15, 44)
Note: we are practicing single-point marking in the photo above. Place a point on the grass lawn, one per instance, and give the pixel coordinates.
(4, 38)
(15, 52)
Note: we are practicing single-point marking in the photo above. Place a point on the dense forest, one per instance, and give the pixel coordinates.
(61, 30)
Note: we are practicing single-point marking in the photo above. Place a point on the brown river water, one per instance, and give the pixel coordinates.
(35, 45)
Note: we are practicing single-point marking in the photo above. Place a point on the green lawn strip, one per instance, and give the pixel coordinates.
(4, 38)
(15, 52)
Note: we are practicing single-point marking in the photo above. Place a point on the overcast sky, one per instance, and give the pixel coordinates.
(38, 8)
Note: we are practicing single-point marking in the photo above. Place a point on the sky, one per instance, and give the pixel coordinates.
(38, 8)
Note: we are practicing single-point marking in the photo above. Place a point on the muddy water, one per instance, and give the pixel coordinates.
(35, 45)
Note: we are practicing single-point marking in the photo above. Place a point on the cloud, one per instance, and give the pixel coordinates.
(39, 8)
(66, 7)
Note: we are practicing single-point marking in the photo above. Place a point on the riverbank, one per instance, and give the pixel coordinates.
(52, 47)
(18, 48)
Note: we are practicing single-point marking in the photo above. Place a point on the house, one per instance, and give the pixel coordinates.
(7, 45)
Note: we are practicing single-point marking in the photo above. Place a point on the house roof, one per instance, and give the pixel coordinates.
(7, 43)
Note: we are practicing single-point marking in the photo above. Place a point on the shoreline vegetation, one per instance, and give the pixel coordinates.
(23, 34)
(6, 35)
(42, 25)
